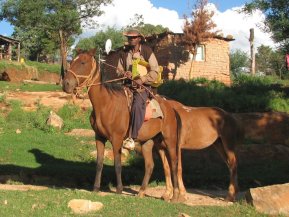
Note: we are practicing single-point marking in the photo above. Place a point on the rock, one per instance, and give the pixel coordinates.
(81, 206)
(125, 152)
(54, 120)
(271, 200)
(7, 187)
(184, 215)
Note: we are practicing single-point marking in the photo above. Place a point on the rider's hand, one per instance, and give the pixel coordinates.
(138, 81)
(128, 74)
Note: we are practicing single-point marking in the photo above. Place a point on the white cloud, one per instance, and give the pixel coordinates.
(229, 22)
(121, 12)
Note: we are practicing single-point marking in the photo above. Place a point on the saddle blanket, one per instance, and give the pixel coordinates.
(153, 110)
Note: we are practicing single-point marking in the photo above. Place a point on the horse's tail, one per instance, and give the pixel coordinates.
(240, 132)
(179, 128)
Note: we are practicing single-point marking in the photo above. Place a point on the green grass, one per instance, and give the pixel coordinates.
(30, 65)
(41, 155)
(7, 86)
(53, 202)
(4, 64)
(44, 67)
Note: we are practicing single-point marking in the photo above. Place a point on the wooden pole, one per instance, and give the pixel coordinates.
(9, 52)
(252, 50)
(18, 52)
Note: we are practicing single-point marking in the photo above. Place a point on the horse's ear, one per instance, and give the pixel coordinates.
(92, 51)
(78, 51)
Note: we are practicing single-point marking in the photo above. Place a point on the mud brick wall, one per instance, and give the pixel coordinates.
(216, 65)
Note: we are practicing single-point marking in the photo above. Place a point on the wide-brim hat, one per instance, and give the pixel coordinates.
(133, 33)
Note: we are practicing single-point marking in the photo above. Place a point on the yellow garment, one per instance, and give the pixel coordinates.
(141, 68)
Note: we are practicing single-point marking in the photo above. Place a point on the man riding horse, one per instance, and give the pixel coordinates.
(141, 85)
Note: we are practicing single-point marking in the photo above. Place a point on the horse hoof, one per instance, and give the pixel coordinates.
(230, 198)
(182, 198)
(167, 196)
(119, 190)
(95, 189)
(175, 200)
(141, 194)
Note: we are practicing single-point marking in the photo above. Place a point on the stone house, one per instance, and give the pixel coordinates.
(212, 60)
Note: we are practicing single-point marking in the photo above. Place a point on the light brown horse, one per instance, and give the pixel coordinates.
(110, 119)
(202, 127)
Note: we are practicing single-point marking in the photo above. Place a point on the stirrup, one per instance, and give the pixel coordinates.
(129, 144)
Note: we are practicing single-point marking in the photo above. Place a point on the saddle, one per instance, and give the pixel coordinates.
(153, 109)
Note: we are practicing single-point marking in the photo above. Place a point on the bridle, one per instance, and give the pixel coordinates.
(89, 80)
(93, 75)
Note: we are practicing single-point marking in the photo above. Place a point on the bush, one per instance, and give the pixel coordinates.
(247, 94)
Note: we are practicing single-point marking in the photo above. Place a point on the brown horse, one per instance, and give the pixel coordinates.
(110, 119)
(202, 127)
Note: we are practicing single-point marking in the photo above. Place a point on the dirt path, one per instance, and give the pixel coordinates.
(195, 197)
(52, 99)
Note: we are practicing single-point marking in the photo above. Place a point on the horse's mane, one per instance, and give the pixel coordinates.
(108, 70)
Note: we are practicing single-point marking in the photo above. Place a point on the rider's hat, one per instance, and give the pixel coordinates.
(134, 33)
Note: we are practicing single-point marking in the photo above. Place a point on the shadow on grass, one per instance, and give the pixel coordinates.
(72, 174)
(201, 169)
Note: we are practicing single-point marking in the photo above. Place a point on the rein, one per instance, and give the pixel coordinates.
(90, 79)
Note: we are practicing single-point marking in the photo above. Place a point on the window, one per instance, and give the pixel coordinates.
(200, 54)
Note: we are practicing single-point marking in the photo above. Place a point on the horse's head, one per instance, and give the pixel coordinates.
(81, 72)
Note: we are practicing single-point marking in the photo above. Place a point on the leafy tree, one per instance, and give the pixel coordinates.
(86, 44)
(146, 29)
(276, 18)
(200, 28)
(98, 41)
(60, 19)
(270, 62)
(239, 62)
(264, 59)
(35, 45)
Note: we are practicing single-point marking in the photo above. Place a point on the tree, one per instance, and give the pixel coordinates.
(60, 19)
(276, 19)
(264, 59)
(270, 62)
(146, 29)
(239, 62)
(199, 29)
(98, 41)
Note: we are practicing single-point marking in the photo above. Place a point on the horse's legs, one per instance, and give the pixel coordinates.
(230, 158)
(172, 152)
(99, 163)
(116, 144)
(169, 186)
(182, 189)
(147, 149)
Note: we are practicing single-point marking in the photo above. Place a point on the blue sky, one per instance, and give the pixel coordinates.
(181, 6)
(170, 14)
